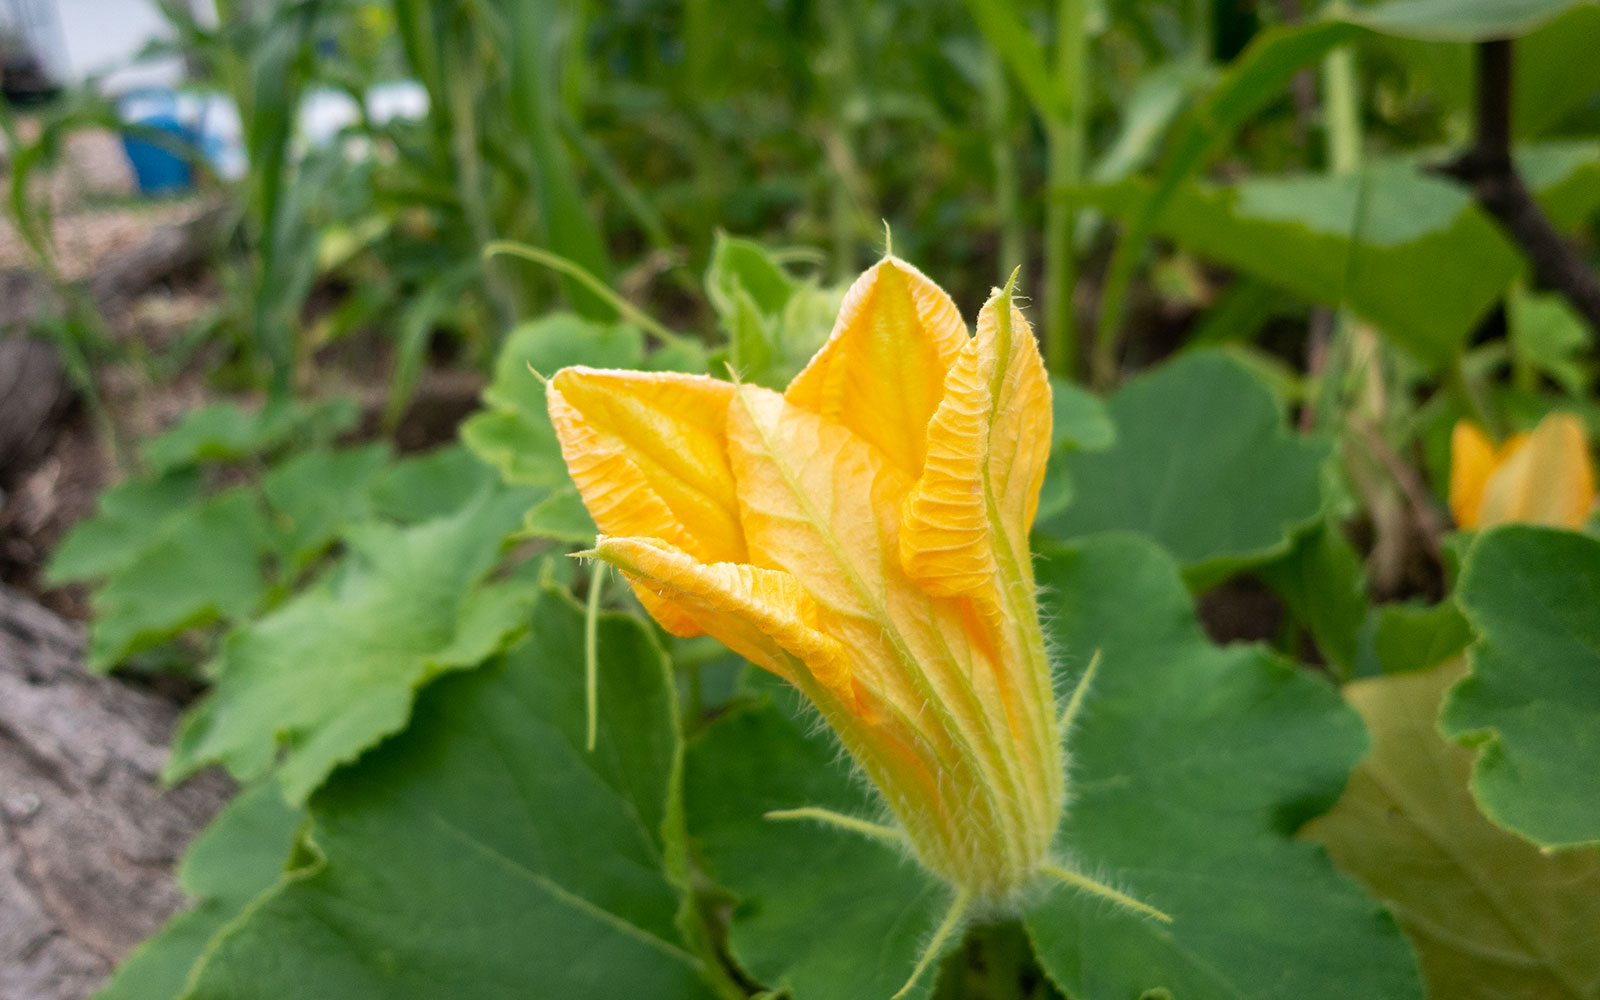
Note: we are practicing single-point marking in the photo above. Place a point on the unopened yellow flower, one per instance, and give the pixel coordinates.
(1544, 477)
(863, 535)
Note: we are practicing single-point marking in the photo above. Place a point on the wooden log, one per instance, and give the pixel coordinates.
(33, 395)
(88, 840)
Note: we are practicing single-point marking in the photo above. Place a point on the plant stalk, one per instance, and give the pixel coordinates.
(1065, 140)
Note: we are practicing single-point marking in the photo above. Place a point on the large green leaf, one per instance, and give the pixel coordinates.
(485, 853)
(1191, 768)
(1253, 81)
(1409, 637)
(1341, 239)
(1491, 915)
(1079, 422)
(334, 670)
(1203, 463)
(237, 858)
(824, 914)
(1461, 20)
(432, 484)
(1532, 703)
(1552, 76)
(319, 493)
(1322, 582)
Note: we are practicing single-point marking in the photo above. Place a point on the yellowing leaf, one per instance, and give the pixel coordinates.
(1491, 916)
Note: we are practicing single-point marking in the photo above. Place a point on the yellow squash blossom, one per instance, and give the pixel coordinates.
(1544, 477)
(863, 535)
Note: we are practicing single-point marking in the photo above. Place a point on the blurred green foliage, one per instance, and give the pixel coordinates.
(1242, 197)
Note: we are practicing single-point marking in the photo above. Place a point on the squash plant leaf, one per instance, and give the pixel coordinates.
(1340, 239)
(205, 564)
(1192, 767)
(1531, 705)
(227, 432)
(1079, 422)
(1490, 914)
(1203, 463)
(334, 670)
(317, 494)
(824, 913)
(485, 851)
(1460, 20)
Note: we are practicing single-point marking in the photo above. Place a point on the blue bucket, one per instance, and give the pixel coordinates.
(157, 169)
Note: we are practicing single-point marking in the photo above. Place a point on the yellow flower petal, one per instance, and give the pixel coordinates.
(763, 615)
(648, 452)
(1472, 458)
(1546, 478)
(987, 447)
(881, 374)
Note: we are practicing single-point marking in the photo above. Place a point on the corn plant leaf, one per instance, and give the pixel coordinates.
(1192, 766)
(1531, 705)
(1203, 463)
(1460, 20)
(237, 858)
(1490, 915)
(1340, 239)
(334, 670)
(485, 852)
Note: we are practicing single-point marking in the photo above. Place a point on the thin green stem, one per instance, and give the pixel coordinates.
(1007, 184)
(828, 817)
(1069, 877)
(556, 262)
(1341, 106)
(591, 655)
(941, 937)
(1065, 140)
(1079, 693)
